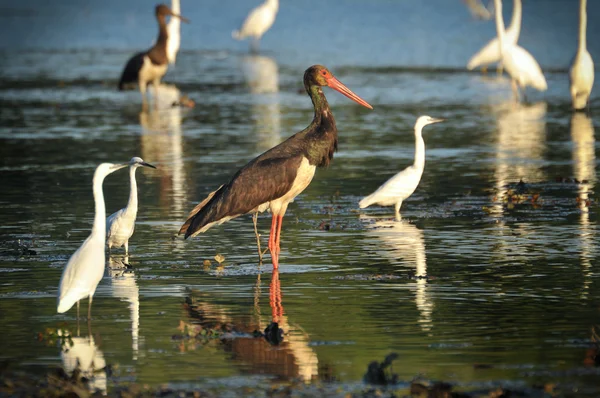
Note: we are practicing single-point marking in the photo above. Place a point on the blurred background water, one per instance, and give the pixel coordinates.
(511, 295)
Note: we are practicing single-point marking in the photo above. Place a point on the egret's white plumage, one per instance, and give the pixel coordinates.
(518, 62)
(258, 22)
(581, 74)
(86, 266)
(403, 184)
(121, 224)
(173, 31)
(490, 53)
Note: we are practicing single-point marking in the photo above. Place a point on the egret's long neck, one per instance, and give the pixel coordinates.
(582, 25)
(175, 7)
(99, 227)
(274, 4)
(419, 148)
(500, 24)
(515, 23)
(132, 204)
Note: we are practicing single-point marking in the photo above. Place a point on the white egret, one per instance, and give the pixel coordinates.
(581, 73)
(121, 224)
(403, 184)
(518, 62)
(490, 53)
(86, 266)
(257, 22)
(173, 33)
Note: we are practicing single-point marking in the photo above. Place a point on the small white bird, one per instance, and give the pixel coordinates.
(403, 184)
(490, 53)
(581, 74)
(86, 266)
(121, 224)
(257, 23)
(518, 62)
(173, 33)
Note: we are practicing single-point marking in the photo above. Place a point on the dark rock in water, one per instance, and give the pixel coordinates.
(273, 334)
(376, 372)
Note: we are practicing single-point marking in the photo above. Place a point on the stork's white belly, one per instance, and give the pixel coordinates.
(151, 72)
(305, 174)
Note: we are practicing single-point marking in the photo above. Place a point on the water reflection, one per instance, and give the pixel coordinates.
(262, 77)
(405, 241)
(290, 357)
(520, 148)
(584, 164)
(162, 142)
(83, 354)
(124, 286)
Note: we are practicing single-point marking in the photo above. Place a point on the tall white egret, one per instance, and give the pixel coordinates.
(490, 53)
(151, 65)
(403, 184)
(86, 266)
(121, 224)
(581, 73)
(173, 33)
(257, 22)
(518, 62)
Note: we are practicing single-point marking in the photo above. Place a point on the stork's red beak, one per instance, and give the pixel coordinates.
(338, 86)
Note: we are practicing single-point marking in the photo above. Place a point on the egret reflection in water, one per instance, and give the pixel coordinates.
(405, 243)
(83, 354)
(293, 357)
(584, 165)
(124, 286)
(261, 74)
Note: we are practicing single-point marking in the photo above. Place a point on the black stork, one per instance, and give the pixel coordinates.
(151, 65)
(273, 179)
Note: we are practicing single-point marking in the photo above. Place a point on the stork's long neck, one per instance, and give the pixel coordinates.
(132, 204)
(419, 149)
(99, 228)
(162, 32)
(582, 25)
(500, 25)
(321, 134)
(515, 23)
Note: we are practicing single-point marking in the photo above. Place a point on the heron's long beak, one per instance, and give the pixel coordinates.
(184, 19)
(437, 120)
(148, 165)
(338, 86)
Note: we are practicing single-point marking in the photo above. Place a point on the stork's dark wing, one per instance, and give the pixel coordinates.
(258, 182)
(132, 70)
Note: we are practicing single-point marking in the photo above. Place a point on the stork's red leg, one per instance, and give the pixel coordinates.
(272, 233)
(275, 297)
(278, 236)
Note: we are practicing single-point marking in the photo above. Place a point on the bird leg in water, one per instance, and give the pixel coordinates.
(254, 46)
(272, 236)
(90, 309)
(499, 68)
(515, 89)
(484, 69)
(397, 208)
(255, 221)
(126, 248)
(78, 319)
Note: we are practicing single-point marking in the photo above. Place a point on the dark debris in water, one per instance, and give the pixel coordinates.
(16, 248)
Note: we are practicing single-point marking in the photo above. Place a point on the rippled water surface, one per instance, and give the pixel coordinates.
(490, 278)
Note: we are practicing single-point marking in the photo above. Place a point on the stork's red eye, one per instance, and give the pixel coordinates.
(324, 72)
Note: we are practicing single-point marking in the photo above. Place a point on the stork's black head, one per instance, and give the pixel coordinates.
(318, 75)
(161, 11)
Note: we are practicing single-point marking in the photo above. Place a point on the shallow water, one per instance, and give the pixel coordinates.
(484, 282)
